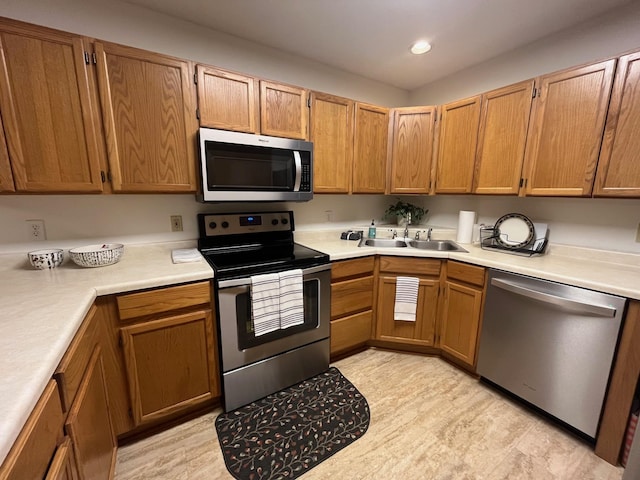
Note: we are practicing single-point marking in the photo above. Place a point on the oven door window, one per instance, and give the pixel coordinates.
(246, 167)
(246, 337)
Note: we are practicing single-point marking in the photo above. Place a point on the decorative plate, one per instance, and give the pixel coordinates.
(514, 230)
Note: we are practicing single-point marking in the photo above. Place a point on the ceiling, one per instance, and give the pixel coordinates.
(371, 38)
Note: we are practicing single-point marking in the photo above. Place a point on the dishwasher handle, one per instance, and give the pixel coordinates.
(582, 307)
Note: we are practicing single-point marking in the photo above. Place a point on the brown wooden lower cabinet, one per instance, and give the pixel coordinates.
(462, 312)
(63, 466)
(168, 351)
(36, 444)
(352, 292)
(400, 332)
(89, 424)
(169, 364)
(422, 331)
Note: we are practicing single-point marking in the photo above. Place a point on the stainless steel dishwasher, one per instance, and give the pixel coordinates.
(551, 345)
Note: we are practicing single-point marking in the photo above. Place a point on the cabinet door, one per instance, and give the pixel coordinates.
(170, 364)
(49, 118)
(283, 110)
(32, 451)
(227, 100)
(457, 145)
(420, 332)
(412, 149)
(63, 466)
(89, 424)
(619, 169)
(460, 321)
(332, 137)
(504, 122)
(6, 177)
(148, 110)
(567, 127)
(370, 149)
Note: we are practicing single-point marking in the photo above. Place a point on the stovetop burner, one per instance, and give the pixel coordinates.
(241, 244)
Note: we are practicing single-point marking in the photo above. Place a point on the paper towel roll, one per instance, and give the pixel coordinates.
(466, 219)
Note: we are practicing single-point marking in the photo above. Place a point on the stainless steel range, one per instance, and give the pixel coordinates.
(242, 246)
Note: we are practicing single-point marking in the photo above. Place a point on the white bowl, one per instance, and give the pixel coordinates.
(45, 259)
(97, 255)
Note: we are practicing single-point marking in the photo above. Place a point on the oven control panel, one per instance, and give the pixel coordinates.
(239, 223)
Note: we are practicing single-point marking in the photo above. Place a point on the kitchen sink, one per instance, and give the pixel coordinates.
(380, 242)
(438, 245)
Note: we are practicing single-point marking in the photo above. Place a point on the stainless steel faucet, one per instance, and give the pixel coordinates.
(406, 232)
(394, 234)
(429, 234)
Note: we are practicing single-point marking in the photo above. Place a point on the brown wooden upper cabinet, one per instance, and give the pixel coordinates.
(148, 108)
(619, 169)
(284, 111)
(566, 130)
(332, 136)
(412, 149)
(370, 149)
(50, 121)
(227, 100)
(457, 145)
(504, 121)
(6, 177)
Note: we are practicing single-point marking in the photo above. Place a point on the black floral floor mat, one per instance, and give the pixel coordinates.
(285, 434)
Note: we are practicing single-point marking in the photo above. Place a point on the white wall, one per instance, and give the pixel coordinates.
(73, 220)
(609, 35)
(609, 224)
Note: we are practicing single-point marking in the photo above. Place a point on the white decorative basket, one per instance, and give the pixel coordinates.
(97, 255)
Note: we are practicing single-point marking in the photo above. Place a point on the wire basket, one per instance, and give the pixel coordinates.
(489, 240)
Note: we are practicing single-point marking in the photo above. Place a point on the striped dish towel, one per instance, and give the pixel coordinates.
(291, 298)
(406, 299)
(265, 303)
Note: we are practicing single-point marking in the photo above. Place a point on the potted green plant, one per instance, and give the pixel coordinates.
(405, 213)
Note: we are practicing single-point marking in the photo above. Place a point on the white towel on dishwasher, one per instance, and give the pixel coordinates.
(265, 303)
(291, 298)
(406, 299)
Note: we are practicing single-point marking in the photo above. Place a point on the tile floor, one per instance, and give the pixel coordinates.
(429, 420)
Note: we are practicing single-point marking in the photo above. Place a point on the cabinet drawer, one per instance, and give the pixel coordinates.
(410, 265)
(351, 296)
(33, 449)
(63, 466)
(163, 300)
(351, 268)
(72, 366)
(350, 331)
(465, 273)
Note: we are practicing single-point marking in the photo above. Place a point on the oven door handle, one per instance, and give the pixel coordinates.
(238, 282)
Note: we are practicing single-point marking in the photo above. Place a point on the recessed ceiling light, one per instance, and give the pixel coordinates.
(420, 47)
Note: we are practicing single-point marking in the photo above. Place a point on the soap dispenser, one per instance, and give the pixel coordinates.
(372, 230)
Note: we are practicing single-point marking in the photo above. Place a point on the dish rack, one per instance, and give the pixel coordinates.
(489, 241)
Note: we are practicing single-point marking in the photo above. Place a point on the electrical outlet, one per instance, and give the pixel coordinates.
(176, 223)
(35, 230)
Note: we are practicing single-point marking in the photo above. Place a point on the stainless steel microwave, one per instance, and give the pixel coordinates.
(242, 167)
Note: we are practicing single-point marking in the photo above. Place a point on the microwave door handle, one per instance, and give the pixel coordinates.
(298, 164)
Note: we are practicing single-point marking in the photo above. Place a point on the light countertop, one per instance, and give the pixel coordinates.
(41, 310)
(610, 272)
